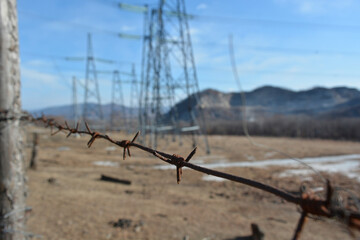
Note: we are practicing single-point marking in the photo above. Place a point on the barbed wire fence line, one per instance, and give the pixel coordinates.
(309, 203)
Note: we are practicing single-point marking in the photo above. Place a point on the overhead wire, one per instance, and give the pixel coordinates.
(60, 73)
(276, 72)
(69, 23)
(244, 118)
(279, 23)
(275, 22)
(252, 47)
(66, 58)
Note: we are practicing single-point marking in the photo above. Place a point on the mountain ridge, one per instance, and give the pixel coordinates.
(266, 100)
(318, 102)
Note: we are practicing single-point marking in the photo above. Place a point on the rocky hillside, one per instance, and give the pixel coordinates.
(264, 101)
(268, 100)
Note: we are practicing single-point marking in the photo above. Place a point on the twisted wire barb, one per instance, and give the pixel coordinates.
(308, 202)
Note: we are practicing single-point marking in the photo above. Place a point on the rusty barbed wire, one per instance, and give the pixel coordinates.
(10, 115)
(309, 203)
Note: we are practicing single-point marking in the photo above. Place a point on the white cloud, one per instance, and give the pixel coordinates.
(37, 77)
(51, 27)
(289, 64)
(201, 6)
(38, 63)
(127, 28)
(193, 31)
(318, 6)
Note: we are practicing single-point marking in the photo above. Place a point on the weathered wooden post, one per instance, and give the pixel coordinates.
(12, 178)
(33, 159)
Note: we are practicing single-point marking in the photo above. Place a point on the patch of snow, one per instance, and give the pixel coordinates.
(349, 165)
(165, 167)
(251, 158)
(197, 161)
(348, 168)
(212, 178)
(283, 162)
(269, 154)
(106, 163)
(110, 149)
(63, 149)
(306, 178)
(317, 189)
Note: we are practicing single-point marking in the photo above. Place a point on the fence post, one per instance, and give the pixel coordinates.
(12, 178)
(33, 160)
(257, 234)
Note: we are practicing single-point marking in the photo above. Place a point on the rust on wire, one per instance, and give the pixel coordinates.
(178, 161)
(308, 202)
(126, 144)
(300, 226)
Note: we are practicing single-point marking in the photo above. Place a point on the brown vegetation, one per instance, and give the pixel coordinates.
(291, 126)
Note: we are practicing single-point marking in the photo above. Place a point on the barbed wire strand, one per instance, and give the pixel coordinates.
(308, 202)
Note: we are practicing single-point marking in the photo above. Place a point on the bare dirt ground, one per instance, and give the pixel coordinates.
(70, 202)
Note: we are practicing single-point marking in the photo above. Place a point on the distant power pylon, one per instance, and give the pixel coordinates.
(74, 100)
(169, 75)
(134, 98)
(124, 116)
(92, 110)
(117, 97)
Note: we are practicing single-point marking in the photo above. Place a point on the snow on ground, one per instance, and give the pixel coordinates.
(348, 165)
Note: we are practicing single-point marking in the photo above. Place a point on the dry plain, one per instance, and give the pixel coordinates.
(70, 202)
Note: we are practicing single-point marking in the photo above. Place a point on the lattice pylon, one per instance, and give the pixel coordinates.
(92, 93)
(169, 75)
(117, 98)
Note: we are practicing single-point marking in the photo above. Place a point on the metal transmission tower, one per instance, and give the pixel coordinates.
(74, 100)
(134, 99)
(126, 116)
(116, 97)
(170, 75)
(135, 94)
(91, 86)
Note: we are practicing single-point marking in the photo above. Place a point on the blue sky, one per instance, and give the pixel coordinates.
(295, 44)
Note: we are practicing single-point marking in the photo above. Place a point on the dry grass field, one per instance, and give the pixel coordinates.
(70, 202)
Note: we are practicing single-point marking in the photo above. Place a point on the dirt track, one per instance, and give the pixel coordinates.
(70, 202)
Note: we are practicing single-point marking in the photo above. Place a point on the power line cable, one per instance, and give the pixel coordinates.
(299, 50)
(61, 74)
(244, 119)
(248, 21)
(289, 73)
(277, 72)
(65, 58)
(279, 23)
(251, 47)
(69, 23)
(276, 22)
(262, 48)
